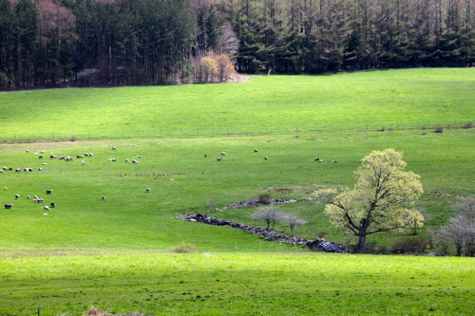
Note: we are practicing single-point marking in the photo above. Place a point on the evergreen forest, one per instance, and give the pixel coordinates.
(54, 43)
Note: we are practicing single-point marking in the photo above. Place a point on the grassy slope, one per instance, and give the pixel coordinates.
(403, 98)
(132, 220)
(241, 284)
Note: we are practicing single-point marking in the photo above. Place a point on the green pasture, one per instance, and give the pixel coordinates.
(238, 284)
(115, 253)
(181, 179)
(401, 99)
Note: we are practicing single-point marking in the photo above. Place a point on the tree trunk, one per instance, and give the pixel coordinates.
(268, 225)
(292, 230)
(362, 236)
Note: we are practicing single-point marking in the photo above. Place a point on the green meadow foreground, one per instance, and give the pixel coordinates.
(240, 284)
(114, 253)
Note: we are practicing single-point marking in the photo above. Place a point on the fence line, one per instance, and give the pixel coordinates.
(211, 131)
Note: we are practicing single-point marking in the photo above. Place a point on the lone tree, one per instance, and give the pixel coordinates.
(380, 196)
(292, 220)
(269, 214)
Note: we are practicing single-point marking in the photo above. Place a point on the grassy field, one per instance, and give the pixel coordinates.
(239, 284)
(182, 180)
(119, 246)
(358, 101)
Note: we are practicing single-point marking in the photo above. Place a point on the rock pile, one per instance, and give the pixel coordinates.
(318, 244)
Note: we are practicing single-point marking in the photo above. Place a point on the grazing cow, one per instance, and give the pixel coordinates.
(49, 191)
(53, 204)
(266, 158)
(139, 156)
(335, 161)
(114, 148)
(40, 157)
(17, 196)
(40, 169)
(8, 206)
(46, 208)
(223, 154)
(256, 151)
(103, 197)
(206, 156)
(147, 189)
(219, 159)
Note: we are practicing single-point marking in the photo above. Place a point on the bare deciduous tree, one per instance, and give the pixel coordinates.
(292, 220)
(269, 214)
(461, 228)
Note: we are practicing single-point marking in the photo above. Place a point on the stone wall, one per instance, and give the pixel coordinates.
(318, 244)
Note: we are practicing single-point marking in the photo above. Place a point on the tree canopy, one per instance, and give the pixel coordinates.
(381, 196)
(49, 42)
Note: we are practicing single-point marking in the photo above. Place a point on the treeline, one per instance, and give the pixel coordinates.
(316, 36)
(127, 42)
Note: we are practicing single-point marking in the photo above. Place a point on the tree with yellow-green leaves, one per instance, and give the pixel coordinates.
(383, 192)
(413, 219)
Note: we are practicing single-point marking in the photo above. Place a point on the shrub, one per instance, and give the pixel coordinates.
(468, 125)
(390, 129)
(225, 68)
(184, 248)
(207, 71)
(409, 245)
(93, 311)
(73, 138)
(439, 129)
(264, 198)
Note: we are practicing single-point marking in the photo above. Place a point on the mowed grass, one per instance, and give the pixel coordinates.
(398, 99)
(240, 284)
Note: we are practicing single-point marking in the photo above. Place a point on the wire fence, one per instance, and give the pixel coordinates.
(256, 129)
